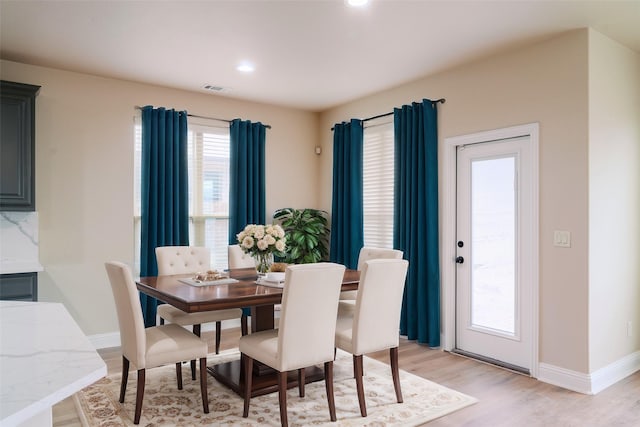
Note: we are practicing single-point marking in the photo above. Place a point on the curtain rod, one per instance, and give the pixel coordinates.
(441, 101)
(208, 118)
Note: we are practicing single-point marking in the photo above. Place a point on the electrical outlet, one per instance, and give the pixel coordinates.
(562, 239)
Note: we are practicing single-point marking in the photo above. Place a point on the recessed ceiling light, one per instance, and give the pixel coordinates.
(245, 67)
(357, 3)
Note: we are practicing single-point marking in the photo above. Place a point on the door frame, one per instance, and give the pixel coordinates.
(448, 239)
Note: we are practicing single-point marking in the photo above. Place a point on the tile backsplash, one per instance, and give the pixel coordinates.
(19, 241)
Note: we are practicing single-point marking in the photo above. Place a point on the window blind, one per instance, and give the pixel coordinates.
(378, 165)
(209, 191)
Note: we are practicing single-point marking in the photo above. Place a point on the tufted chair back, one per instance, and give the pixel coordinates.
(182, 259)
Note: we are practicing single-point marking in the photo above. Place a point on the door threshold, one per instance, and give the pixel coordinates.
(491, 361)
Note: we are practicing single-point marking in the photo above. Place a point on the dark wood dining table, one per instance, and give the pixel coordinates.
(246, 292)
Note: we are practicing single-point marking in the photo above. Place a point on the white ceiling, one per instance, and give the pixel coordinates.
(308, 54)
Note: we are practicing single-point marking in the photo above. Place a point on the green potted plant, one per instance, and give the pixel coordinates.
(307, 234)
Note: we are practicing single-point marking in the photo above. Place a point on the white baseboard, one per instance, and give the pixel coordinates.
(565, 378)
(614, 372)
(112, 339)
(590, 383)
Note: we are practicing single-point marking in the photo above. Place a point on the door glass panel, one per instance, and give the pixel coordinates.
(493, 214)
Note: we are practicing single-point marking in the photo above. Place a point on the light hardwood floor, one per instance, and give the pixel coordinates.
(505, 398)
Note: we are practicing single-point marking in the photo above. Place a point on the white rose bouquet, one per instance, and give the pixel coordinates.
(261, 242)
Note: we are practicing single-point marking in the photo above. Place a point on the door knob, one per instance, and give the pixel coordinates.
(460, 260)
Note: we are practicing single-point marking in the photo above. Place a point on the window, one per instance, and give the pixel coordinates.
(378, 177)
(208, 159)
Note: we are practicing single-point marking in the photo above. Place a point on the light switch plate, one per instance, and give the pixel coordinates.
(562, 239)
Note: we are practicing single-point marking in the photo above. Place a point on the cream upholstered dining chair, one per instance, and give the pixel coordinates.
(183, 260)
(367, 253)
(239, 259)
(150, 347)
(306, 333)
(374, 323)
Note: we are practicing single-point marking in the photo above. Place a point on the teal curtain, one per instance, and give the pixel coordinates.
(347, 232)
(247, 198)
(165, 196)
(416, 218)
(247, 188)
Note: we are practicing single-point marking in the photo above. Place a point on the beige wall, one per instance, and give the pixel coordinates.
(545, 83)
(614, 200)
(84, 175)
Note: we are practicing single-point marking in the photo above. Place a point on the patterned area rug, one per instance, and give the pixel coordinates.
(165, 405)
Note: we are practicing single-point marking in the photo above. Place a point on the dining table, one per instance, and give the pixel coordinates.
(246, 290)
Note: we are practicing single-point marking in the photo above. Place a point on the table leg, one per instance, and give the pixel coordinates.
(262, 318)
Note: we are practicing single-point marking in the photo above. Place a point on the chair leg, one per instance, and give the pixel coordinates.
(203, 384)
(328, 384)
(125, 378)
(218, 336)
(193, 370)
(244, 325)
(179, 375)
(395, 372)
(357, 373)
(282, 398)
(301, 380)
(248, 367)
(196, 332)
(139, 396)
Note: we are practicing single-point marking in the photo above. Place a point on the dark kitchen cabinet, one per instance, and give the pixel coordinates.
(17, 146)
(19, 287)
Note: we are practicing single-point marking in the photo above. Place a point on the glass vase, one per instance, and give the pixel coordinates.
(263, 262)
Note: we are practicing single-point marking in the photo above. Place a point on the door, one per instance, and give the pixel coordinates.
(494, 240)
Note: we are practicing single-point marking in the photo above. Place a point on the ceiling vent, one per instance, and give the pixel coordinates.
(214, 88)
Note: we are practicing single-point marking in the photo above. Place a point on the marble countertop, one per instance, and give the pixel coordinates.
(44, 358)
(11, 266)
